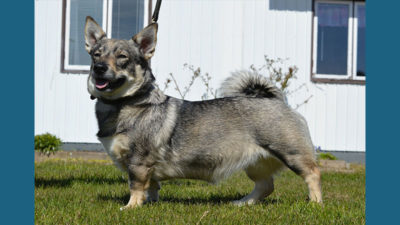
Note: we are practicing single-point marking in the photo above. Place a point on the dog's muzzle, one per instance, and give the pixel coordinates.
(100, 69)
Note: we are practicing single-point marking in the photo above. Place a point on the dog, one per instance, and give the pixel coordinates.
(154, 137)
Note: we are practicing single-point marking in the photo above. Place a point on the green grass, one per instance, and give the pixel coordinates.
(77, 192)
(326, 156)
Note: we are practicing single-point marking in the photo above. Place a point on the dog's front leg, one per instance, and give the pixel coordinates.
(152, 192)
(139, 183)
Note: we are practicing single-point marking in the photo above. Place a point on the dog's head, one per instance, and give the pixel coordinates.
(119, 67)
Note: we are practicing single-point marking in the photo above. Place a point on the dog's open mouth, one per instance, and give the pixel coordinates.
(104, 84)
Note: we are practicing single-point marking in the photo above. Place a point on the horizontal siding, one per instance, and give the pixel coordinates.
(219, 37)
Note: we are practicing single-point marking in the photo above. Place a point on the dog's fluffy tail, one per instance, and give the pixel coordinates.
(250, 84)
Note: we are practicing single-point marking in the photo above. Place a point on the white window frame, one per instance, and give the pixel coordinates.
(355, 43)
(351, 43)
(106, 25)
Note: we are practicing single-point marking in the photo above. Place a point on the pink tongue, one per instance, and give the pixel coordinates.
(100, 84)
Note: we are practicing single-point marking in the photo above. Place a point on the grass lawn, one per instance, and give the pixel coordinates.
(81, 192)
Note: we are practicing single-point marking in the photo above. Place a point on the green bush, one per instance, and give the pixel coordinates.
(326, 156)
(47, 144)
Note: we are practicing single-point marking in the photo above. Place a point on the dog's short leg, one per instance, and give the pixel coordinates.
(304, 165)
(261, 173)
(308, 169)
(139, 183)
(313, 180)
(152, 192)
(262, 189)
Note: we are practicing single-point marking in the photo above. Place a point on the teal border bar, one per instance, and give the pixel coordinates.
(17, 112)
(383, 112)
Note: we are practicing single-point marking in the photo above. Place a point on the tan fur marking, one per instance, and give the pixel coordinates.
(111, 63)
(117, 148)
(121, 149)
(139, 186)
(137, 199)
(313, 181)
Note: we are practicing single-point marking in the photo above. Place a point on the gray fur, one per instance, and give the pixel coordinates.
(250, 84)
(156, 137)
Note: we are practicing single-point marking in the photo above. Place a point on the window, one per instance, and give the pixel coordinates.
(339, 42)
(120, 19)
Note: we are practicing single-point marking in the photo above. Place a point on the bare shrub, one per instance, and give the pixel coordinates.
(273, 69)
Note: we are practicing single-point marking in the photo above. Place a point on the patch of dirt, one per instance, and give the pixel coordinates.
(83, 155)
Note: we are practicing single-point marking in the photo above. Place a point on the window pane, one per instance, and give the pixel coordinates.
(361, 40)
(79, 10)
(332, 38)
(127, 18)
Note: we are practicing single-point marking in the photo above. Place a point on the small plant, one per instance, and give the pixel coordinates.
(273, 70)
(47, 144)
(326, 156)
(205, 78)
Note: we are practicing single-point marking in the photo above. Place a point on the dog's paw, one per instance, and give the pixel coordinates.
(238, 203)
(134, 201)
(129, 206)
(244, 202)
(124, 208)
(152, 196)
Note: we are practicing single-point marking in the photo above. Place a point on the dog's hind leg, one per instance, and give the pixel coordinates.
(261, 173)
(313, 180)
(304, 165)
(312, 177)
(262, 188)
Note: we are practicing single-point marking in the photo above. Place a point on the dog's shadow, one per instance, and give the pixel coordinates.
(66, 182)
(213, 200)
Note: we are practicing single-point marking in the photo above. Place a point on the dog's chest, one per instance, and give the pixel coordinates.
(117, 147)
(107, 116)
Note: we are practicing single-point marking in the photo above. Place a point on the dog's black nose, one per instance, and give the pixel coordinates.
(100, 68)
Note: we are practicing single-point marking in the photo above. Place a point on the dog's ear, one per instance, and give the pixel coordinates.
(147, 40)
(93, 33)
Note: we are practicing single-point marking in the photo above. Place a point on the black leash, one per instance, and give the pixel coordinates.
(154, 18)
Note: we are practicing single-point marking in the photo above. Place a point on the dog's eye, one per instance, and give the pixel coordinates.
(122, 56)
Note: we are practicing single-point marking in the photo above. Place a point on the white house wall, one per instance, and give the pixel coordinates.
(219, 37)
(283, 28)
(62, 104)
